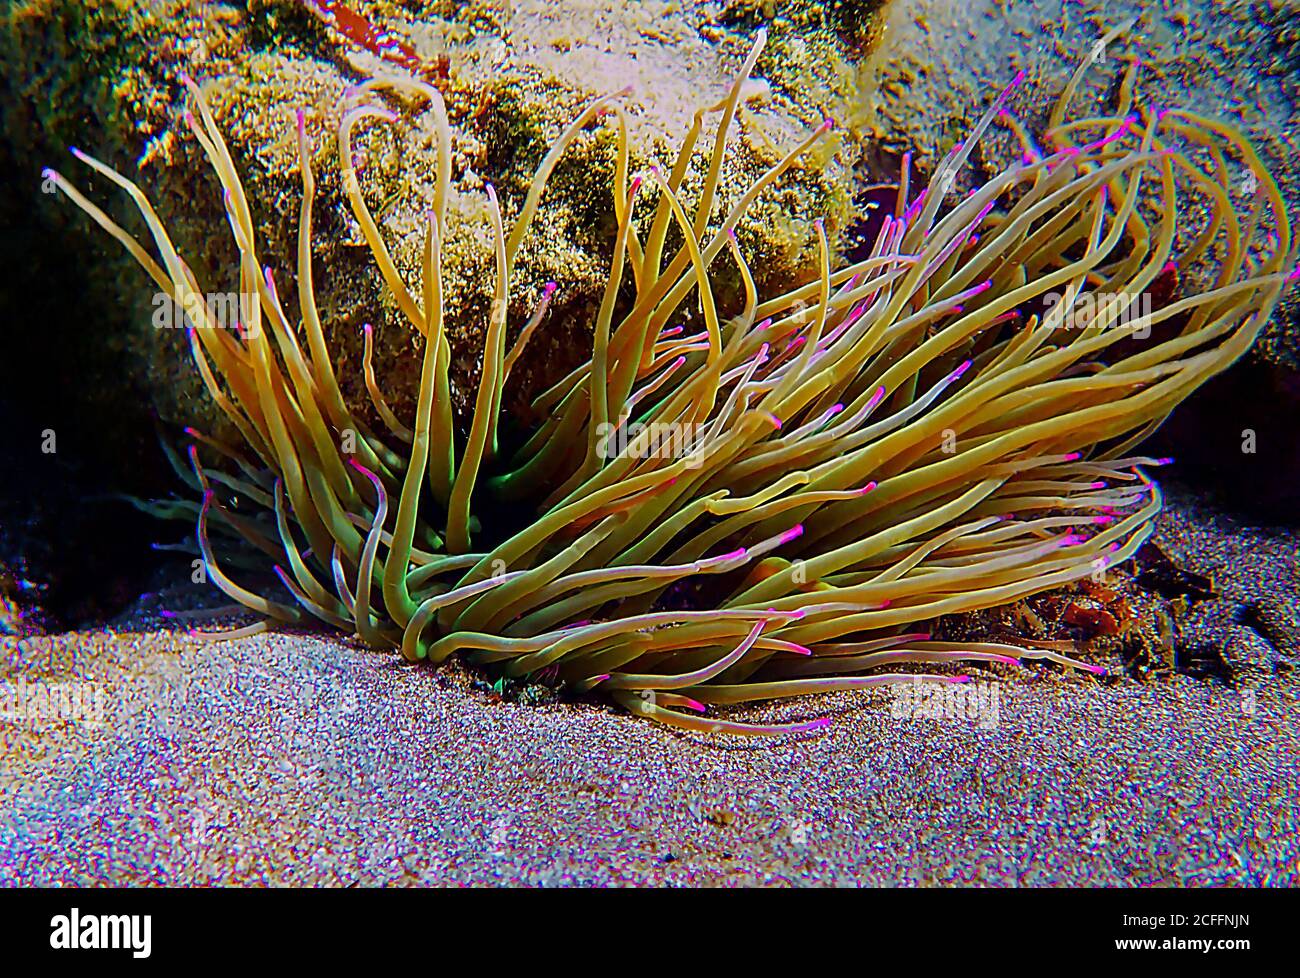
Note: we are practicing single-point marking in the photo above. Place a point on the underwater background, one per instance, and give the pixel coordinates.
(1180, 767)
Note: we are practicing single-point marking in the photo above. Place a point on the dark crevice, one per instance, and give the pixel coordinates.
(75, 434)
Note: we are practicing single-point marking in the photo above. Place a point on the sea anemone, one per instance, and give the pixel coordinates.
(776, 503)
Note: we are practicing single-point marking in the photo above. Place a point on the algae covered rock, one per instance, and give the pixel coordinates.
(107, 76)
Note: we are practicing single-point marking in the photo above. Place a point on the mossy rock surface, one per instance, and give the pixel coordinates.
(106, 76)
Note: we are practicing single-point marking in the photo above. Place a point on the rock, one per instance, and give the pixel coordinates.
(936, 69)
(106, 76)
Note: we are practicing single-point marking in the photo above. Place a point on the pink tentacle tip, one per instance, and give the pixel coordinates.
(1096, 670)
(367, 328)
(793, 533)
(1103, 520)
(867, 488)
(821, 723)
(1295, 275)
(834, 410)
(548, 289)
(960, 679)
(801, 650)
(827, 124)
(165, 613)
(960, 370)
(1097, 485)
(636, 184)
(1072, 456)
(1007, 660)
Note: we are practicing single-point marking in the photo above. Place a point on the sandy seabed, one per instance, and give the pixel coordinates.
(301, 759)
